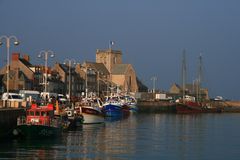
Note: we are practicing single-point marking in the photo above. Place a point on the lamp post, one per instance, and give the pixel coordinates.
(44, 54)
(69, 62)
(86, 83)
(8, 40)
(86, 80)
(98, 83)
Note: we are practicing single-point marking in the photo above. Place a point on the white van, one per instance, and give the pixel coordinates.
(14, 97)
(30, 95)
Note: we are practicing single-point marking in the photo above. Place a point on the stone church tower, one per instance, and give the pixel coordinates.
(109, 58)
(121, 74)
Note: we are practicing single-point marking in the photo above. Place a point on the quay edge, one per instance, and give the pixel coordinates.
(169, 107)
(156, 106)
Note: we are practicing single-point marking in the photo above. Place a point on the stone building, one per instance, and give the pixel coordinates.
(20, 74)
(123, 75)
(25, 76)
(96, 77)
(71, 80)
(190, 89)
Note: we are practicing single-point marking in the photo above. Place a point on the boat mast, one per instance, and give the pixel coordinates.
(199, 79)
(184, 74)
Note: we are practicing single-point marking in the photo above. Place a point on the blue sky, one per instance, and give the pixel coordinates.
(150, 33)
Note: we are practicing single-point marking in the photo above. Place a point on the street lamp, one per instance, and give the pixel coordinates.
(16, 42)
(44, 54)
(86, 83)
(98, 83)
(69, 62)
(86, 80)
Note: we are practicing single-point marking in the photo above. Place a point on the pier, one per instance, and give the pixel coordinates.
(169, 107)
(155, 106)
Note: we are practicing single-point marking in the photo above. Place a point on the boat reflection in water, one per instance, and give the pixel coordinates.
(143, 136)
(101, 140)
(85, 143)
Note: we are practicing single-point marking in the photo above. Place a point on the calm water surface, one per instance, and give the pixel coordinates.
(142, 136)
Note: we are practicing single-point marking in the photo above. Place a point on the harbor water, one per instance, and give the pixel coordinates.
(140, 136)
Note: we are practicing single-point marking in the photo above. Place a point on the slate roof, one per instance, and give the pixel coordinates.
(25, 62)
(119, 69)
(179, 87)
(66, 68)
(97, 66)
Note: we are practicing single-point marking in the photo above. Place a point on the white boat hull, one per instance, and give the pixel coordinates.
(92, 119)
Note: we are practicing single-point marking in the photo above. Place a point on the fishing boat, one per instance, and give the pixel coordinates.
(75, 118)
(112, 107)
(40, 122)
(131, 102)
(91, 111)
(115, 107)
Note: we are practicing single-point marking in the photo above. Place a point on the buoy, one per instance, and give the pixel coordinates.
(15, 132)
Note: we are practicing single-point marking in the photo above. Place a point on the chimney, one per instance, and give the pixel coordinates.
(15, 56)
(26, 57)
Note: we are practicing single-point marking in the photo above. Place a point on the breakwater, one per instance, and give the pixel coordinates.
(166, 106)
(155, 106)
(8, 120)
(227, 106)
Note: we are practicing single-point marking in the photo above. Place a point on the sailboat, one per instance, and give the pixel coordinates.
(189, 104)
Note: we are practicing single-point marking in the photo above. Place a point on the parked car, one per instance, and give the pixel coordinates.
(12, 97)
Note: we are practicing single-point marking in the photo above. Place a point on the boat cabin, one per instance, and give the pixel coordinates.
(40, 115)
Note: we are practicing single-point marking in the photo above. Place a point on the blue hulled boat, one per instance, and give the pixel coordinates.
(112, 109)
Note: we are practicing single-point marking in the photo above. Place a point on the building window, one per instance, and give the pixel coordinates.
(130, 81)
(114, 60)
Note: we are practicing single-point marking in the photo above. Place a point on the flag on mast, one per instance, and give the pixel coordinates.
(111, 43)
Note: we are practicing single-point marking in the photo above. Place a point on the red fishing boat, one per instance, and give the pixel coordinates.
(40, 122)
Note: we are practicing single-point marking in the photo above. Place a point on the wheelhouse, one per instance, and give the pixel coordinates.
(40, 115)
